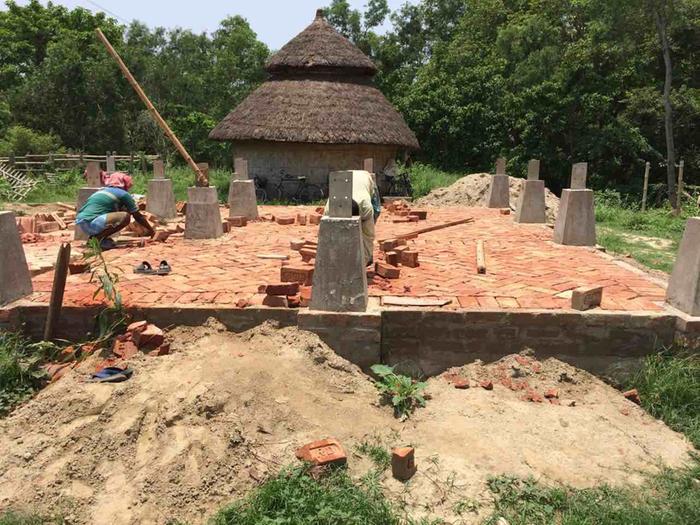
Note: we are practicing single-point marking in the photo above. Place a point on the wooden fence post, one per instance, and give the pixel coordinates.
(647, 167)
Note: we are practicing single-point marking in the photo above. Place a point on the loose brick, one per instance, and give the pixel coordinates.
(297, 274)
(486, 385)
(305, 295)
(387, 271)
(293, 301)
(149, 338)
(421, 214)
(296, 244)
(286, 288)
(225, 227)
(78, 267)
(533, 396)
(26, 224)
(275, 301)
(284, 221)
(504, 211)
(161, 236)
(410, 258)
(237, 221)
(403, 463)
(136, 327)
(301, 219)
(632, 395)
(47, 227)
(124, 347)
(392, 258)
(307, 254)
(586, 297)
(323, 452)
(163, 349)
(315, 219)
(551, 393)
(388, 245)
(461, 383)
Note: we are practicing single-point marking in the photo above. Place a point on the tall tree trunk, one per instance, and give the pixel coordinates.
(662, 28)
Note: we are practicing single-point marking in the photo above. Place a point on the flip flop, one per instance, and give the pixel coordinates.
(111, 374)
(107, 244)
(145, 268)
(164, 268)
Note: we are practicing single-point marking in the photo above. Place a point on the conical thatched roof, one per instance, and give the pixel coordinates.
(320, 91)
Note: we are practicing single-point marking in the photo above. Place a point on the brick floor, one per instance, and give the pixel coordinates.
(524, 268)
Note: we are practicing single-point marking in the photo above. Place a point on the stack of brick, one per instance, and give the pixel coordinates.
(42, 223)
(396, 253)
(143, 336)
(281, 295)
(307, 249)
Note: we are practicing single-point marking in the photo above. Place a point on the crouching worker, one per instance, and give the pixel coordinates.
(365, 203)
(109, 210)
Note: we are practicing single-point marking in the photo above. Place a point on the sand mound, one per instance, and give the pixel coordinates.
(472, 190)
(195, 429)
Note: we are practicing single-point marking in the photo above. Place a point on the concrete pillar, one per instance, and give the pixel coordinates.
(531, 206)
(575, 223)
(684, 285)
(83, 194)
(340, 277)
(158, 169)
(15, 279)
(111, 164)
(161, 198)
(499, 193)
(241, 199)
(340, 194)
(240, 168)
(203, 219)
(93, 179)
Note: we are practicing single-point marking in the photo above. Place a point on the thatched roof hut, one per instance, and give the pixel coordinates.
(319, 91)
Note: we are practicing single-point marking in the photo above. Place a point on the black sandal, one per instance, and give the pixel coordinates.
(144, 268)
(164, 268)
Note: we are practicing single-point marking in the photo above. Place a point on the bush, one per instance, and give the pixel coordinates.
(425, 178)
(19, 140)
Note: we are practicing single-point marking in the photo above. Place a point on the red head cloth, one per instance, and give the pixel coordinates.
(119, 180)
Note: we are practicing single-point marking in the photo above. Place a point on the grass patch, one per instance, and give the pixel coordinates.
(293, 497)
(20, 518)
(20, 369)
(669, 387)
(379, 455)
(651, 256)
(669, 498)
(425, 178)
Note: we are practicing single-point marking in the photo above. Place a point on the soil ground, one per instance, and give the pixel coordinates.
(200, 427)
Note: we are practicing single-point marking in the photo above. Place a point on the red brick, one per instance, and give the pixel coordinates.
(421, 214)
(632, 395)
(504, 211)
(387, 271)
(551, 393)
(149, 338)
(47, 227)
(486, 385)
(78, 267)
(388, 245)
(136, 327)
(305, 295)
(297, 274)
(124, 347)
(237, 221)
(225, 227)
(307, 254)
(286, 288)
(161, 236)
(296, 244)
(315, 219)
(533, 396)
(409, 258)
(26, 224)
(461, 383)
(586, 297)
(284, 221)
(392, 258)
(403, 463)
(323, 452)
(163, 349)
(275, 301)
(294, 301)
(301, 219)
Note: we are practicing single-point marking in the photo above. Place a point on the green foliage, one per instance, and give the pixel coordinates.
(669, 498)
(669, 387)
(20, 141)
(114, 316)
(295, 498)
(403, 392)
(10, 517)
(20, 368)
(379, 455)
(425, 178)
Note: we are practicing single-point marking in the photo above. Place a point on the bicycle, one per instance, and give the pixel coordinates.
(399, 185)
(260, 185)
(305, 192)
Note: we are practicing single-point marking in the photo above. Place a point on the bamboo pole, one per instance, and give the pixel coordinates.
(679, 195)
(201, 178)
(647, 167)
(480, 257)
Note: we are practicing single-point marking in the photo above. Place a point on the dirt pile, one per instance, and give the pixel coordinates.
(195, 429)
(472, 190)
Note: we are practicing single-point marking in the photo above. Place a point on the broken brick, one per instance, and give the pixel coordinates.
(47, 227)
(296, 244)
(301, 219)
(305, 295)
(388, 245)
(293, 301)
(297, 274)
(137, 326)
(161, 236)
(78, 267)
(403, 463)
(225, 227)
(315, 219)
(163, 349)
(409, 258)
(551, 393)
(307, 254)
(461, 383)
(585, 298)
(149, 338)
(286, 288)
(421, 214)
(323, 452)
(387, 271)
(275, 301)
(632, 395)
(124, 347)
(504, 211)
(486, 385)
(533, 396)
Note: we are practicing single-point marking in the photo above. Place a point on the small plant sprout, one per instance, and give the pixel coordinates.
(403, 392)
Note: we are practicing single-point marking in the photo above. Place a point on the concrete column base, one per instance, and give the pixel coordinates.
(161, 198)
(340, 276)
(241, 199)
(575, 223)
(15, 279)
(531, 206)
(499, 194)
(203, 219)
(684, 285)
(83, 194)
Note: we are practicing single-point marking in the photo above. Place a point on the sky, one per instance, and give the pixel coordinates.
(275, 21)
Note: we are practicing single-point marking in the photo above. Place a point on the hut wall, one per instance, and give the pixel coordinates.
(315, 161)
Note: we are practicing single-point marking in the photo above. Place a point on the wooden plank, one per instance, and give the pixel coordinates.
(274, 256)
(480, 257)
(59, 287)
(415, 233)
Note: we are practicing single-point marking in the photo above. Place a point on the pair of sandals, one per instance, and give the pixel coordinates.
(146, 268)
(111, 374)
